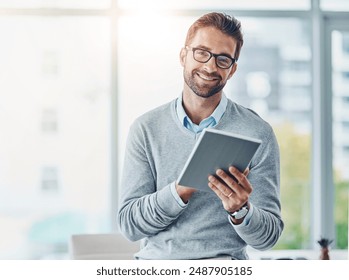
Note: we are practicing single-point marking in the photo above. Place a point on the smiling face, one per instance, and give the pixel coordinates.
(206, 79)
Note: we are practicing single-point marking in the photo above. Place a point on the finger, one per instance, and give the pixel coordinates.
(229, 203)
(227, 179)
(246, 172)
(217, 192)
(225, 190)
(241, 178)
(231, 183)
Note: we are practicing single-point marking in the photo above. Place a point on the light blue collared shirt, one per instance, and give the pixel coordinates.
(206, 123)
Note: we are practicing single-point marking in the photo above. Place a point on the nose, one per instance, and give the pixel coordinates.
(210, 66)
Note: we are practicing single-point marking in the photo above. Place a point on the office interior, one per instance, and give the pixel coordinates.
(74, 75)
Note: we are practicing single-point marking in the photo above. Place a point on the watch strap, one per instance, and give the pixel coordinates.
(241, 213)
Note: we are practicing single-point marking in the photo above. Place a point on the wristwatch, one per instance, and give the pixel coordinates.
(239, 214)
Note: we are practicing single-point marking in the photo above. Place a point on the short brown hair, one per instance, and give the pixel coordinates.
(225, 23)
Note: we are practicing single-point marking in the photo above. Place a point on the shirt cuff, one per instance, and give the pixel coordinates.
(176, 196)
(247, 219)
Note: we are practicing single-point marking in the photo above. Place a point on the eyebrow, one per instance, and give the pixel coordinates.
(208, 49)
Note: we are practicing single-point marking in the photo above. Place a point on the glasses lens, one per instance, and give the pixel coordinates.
(224, 61)
(201, 55)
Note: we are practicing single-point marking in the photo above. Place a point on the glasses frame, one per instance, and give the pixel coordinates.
(193, 49)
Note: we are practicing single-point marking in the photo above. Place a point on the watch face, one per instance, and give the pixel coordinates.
(240, 213)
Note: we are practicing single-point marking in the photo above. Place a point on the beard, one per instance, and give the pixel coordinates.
(198, 85)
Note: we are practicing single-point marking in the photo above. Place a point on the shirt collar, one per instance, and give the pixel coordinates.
(217, 113)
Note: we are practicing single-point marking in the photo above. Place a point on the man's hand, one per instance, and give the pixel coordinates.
(233, 189)
(185, 193)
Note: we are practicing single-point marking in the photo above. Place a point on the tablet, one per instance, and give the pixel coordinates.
(213, 150)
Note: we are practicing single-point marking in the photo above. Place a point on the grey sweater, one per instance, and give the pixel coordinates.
(157, 148)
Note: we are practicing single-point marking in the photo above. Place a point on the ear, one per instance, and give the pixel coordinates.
(232, 70)
(182, 56)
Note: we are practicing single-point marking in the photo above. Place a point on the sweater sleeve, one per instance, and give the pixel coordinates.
(265, 226)
(144, 209)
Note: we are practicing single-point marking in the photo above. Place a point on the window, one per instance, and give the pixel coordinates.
(340, 86)
(50, 63)
(335, 5)
(74, 74)
(54, 126)
(49, 122)
(49, 181)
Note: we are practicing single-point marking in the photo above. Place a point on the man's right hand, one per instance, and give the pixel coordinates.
(185, 193)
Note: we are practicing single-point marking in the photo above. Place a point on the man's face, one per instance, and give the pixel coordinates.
(207, 79)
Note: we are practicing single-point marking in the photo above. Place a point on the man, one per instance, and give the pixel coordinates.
(178, 222)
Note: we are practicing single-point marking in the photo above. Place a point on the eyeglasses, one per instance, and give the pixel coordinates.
(222, 61)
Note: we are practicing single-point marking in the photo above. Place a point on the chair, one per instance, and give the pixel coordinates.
(111, 246)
